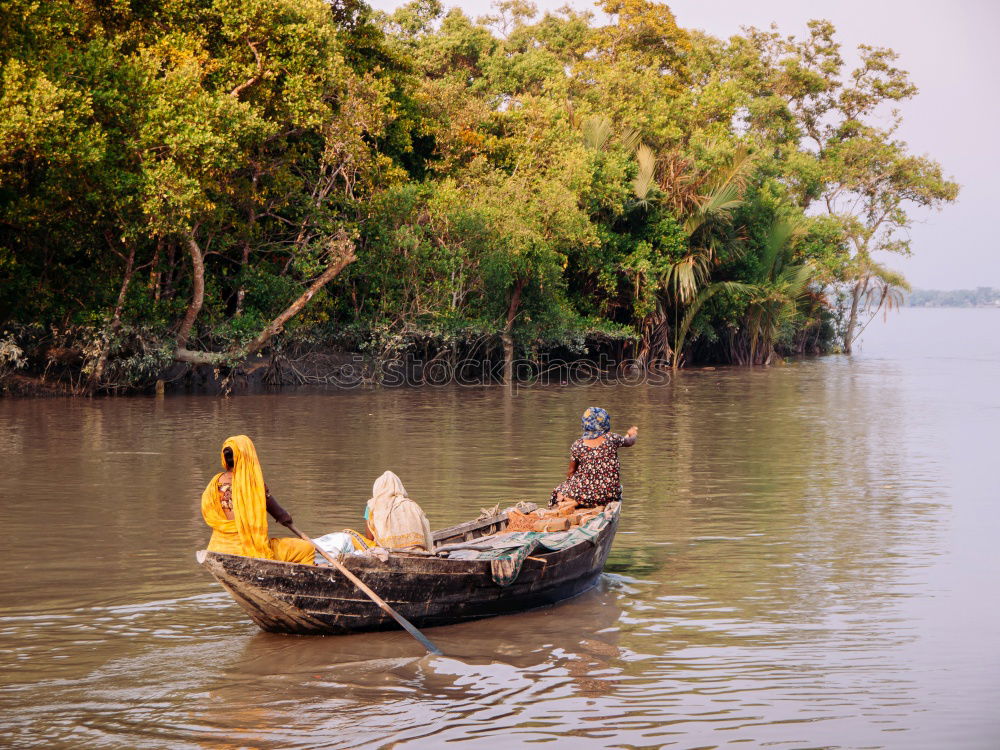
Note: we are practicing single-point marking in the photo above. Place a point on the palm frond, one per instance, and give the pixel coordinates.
(707, 293)
(687, 274)
(776, 246)
(645, 178)
(682, 281)
(629, 139)
(721, 191)
(735, 172)
(889, 289)
(795, 280)
(597, 130)
(889, 277)
(574, 118)
(715, 204)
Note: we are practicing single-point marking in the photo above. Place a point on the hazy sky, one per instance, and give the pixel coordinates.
(953, 56)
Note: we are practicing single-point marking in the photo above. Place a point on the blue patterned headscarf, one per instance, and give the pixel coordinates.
(596, 422)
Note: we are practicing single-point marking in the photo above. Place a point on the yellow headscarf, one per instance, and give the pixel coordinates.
(249, 504)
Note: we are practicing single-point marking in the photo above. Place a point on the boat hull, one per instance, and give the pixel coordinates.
(285, 597)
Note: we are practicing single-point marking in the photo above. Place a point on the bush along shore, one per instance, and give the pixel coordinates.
(214, 194)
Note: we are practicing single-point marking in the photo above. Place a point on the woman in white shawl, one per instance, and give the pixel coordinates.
(394, 520)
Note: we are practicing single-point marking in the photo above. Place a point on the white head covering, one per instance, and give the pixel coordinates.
(395, 520)
(388, 487)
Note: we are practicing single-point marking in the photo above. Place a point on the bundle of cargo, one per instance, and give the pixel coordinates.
(557, 518)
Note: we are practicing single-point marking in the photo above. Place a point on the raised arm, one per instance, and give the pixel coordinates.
(631, 436)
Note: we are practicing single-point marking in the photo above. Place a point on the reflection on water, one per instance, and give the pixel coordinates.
(806, 558)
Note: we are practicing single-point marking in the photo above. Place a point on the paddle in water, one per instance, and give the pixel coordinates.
(406, 624)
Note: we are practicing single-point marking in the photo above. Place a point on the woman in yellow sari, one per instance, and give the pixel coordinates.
(236, 503)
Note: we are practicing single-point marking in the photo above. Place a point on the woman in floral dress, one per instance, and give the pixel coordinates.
(593, 477)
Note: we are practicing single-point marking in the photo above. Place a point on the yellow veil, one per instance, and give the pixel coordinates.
(249, 504)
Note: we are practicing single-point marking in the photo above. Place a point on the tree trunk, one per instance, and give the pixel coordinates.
(342, 250)
(506, 338)
(241, 293)
(167, 280)
(190, 357)
(852, 320)
(197, 294)
(116, 317)
(154, 273)
(508, 359)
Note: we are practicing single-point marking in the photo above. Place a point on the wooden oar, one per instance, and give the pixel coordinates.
(406, 624)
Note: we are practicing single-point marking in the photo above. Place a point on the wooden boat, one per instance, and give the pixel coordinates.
(286, 597)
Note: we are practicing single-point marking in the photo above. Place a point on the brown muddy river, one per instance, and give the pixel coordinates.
(807, 557)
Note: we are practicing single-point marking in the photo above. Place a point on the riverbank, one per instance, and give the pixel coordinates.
(39, 363)
(59, 371)
(338, 370)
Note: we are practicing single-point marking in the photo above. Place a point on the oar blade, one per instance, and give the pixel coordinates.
(406, 624)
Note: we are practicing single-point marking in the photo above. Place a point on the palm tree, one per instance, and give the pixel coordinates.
(707, 293)
(703, 202)
(873, 287)
(598, 132)
(776, 298)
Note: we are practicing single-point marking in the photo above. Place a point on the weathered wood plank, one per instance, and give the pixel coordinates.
(477, 528)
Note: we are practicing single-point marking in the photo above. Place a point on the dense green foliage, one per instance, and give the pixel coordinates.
(175, 173)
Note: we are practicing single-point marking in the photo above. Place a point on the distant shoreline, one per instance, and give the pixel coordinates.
(983, 296)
